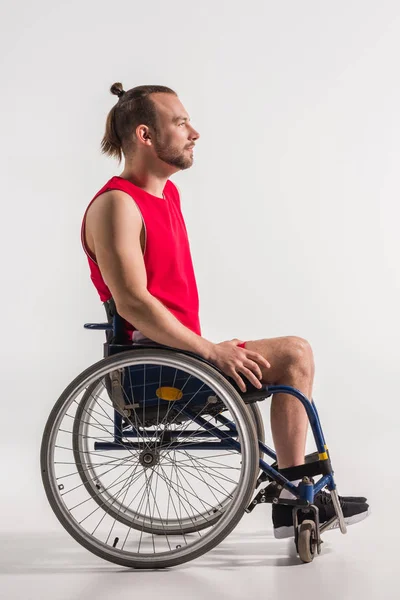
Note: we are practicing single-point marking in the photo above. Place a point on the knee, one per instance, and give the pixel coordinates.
(301, 355)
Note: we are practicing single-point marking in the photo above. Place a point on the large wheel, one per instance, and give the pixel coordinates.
(97, 494)
(258, 423)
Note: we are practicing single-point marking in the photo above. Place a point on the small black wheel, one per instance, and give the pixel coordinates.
(306, 542)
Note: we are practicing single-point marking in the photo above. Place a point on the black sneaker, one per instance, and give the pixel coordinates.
(282, 515)
(356, 499)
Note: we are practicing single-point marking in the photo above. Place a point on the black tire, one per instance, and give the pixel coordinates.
(241, 498)
(258, 423)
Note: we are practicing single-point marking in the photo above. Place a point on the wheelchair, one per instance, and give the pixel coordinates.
(151, 456)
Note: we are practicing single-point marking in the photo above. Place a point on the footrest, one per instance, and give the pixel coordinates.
(312, 466)
(318, 467)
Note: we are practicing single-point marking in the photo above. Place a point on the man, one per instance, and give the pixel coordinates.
(135, 239)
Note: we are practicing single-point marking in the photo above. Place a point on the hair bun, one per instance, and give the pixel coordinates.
(117, 89)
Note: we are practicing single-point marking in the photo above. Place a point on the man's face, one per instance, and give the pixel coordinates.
(175, 137)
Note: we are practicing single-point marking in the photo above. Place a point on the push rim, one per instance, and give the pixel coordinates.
(123, 553)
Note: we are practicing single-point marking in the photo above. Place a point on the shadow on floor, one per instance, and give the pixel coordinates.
(57, 552)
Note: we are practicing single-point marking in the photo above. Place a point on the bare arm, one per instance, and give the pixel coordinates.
(116, 226)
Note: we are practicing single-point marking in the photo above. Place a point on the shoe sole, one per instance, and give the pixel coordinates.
(286, 532)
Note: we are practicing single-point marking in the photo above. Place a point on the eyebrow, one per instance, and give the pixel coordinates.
(176, 119)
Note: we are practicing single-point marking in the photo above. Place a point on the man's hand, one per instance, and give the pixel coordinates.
(233, 360)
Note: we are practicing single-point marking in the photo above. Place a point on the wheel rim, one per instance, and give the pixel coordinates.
(235, 499)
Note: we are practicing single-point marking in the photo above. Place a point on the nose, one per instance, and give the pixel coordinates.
(195, 134)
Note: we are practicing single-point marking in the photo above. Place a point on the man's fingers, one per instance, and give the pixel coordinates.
(254, 367)
(251, 377)
(258, 357)
(239, 381)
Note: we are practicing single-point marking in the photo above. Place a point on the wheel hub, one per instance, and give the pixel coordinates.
(149, 458)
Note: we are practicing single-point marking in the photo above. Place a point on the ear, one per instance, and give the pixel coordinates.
(143, 133)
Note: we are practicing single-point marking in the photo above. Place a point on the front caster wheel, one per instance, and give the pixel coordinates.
(307, 541)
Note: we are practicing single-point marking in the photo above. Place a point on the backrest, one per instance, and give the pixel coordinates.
(116, 335)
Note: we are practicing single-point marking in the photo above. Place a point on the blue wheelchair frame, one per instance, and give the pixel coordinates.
(304, 492)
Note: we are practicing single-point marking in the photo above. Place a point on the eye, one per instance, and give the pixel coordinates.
(183, 123)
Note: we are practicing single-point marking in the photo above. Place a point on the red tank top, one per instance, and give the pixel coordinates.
(167, 257)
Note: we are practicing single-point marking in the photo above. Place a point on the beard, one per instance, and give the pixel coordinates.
(171, 155)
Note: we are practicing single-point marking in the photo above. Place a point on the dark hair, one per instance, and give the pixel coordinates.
(134, 107)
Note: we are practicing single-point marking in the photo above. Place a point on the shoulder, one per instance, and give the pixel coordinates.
(112, 207)
(174, 190)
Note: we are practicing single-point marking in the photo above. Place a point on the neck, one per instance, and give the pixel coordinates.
(149, 179)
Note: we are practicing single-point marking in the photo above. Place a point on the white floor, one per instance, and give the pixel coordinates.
(361, 564)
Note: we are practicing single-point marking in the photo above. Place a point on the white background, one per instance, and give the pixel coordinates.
(292, 212)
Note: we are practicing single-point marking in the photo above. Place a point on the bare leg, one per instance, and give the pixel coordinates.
(292, 363)
(289, 421)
